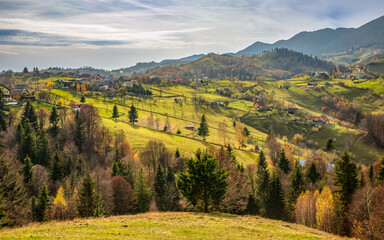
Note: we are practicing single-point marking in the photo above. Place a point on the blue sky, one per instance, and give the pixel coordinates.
(111, 34)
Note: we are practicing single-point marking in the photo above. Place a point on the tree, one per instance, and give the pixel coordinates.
(27, 170)
(151, 155)
(305, 209)
(124, 199)
(380, 173)
(3, 123)
(132, 114)
(82, 99)
(329, 146)
(60, 204)
(371, 174)
(43, 205)
(295, 188)
(312, 174)
(29, 115)
(262, 182)
(177, 153)
(123, 169)
(28, 142)
(143, 192)
(90, 203)
(78, 131)
(239, 134)
(202, 182)
(274, 147)
(57, 169)
(54, 121)
(43, 151)
(160, 189)
(203, 129)
(115, 113)
(222, 132)
(276, 206)
(325, 212)
(346, 177)
(25, 70)
(283, 162)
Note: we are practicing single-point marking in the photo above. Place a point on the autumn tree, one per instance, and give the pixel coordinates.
(202, 183)
(305, 209)
(325, 212)
(151, 155)
(60, 205)
(124, 199)
(274, 147)
(203, 129)
(222, 132)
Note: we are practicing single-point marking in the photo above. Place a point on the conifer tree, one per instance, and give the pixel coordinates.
(177, 153)
(283, 162)
(43, 205)
(3, 214)
(123, 169)
(57, 170)
(28, 142)
(115, 113)
(263, 181)
(380, 173)
(203, 129)
(82, 99)
(202, 182)
(329, 146)
(27, 170)
(54, 121)
(160, 189)
(295, 188)
(132, 114)
(90, 203)
(371, 174)
(312, 174)
(43, 151)
(3, 123)
(346, 178)
(143, 192)
(172, 195)
(29, 115)
(79, 133)
(276, 205)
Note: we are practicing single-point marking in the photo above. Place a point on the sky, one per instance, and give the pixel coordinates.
(112, 34)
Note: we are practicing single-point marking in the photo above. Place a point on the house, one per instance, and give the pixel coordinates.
(302, 162)
(177, 80)
(260, 105)
(128, 83)
(64, 84)
(103, 85)
(22, 95)
(310, 85)
(318, 120)
(221, 104)
(124, 79)
(328, 84)
(6, 93)
(190, 127)
(293, 110)
(257, 98)
(21, 87)
(46, 75)
(96, 78)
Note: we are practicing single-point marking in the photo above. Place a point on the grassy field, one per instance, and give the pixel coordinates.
(168, 226)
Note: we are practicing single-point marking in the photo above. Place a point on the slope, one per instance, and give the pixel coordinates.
(168, 226)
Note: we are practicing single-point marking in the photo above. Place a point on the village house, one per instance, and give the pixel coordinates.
(96, 78)
(6, 93)
(318, 120)
(310, 85)
(260, 105)
(190, 127)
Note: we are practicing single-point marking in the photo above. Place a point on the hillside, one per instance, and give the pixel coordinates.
(328, 42)
(168, 226)
(278, 63)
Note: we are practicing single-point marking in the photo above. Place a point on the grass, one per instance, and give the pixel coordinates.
(168, 226)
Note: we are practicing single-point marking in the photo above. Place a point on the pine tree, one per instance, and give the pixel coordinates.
(329, 146)
(29, 115)
(202, 182)
(132, 114)
(57, 170)
(312, 174)
(203, 129)
(3, 123)
(346, 178)
(3, 214)
(90, 203)
(54, 120)
(295, 188)
(143, 192)
(172, 195)
(276, 206)
(25, 70)
(43, 205)
(27, 170)
(28, 142)
(79, 133)
(371, 174)
(380, 173)
(82, 100)
(160, 189)
(283, 162)
(177, 153)
(115, 113)
(43, 151)
(123, 169)
(263, 181)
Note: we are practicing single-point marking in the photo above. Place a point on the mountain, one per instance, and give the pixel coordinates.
(278, 63)
(328, 41)
(185, 59)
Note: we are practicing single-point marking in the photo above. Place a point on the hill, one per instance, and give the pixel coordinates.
(168, 226)
(278, 63)
(327, 42)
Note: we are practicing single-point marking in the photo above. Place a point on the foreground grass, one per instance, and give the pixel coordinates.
(168, 226)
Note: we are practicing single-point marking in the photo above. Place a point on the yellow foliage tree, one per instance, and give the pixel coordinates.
(222, 132)
(83, 89)
(325, 210)
(50, 84)
(305, 209)
(60, 200)
(239, 137)
(78, 87)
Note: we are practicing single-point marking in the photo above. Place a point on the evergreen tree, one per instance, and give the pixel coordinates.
(90, 203)
(143, 192)
(202, 182)
(25, 70)
(115, 113)
(203, 129)
(3, 214)
(329, 146)
(380, 173)
(79, 133)
(160, 189)
(132, 114)
(3, 123)
(29, 115)
(283, 162)
(172, 195)
(43, 151)
(371, 174)
(295, 188)
(82, 99)
(123, 169)
(312, 174)
(43, 205)
(57, 170)
(28, 142)
(263, 179)
(346, 178)
(276, 206)
(54, 121)
(27, 170)
(177, 153)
